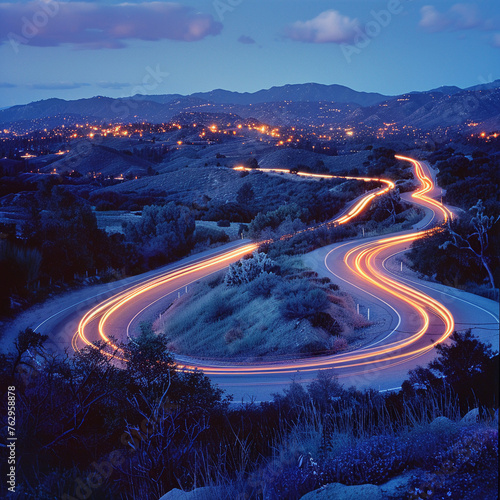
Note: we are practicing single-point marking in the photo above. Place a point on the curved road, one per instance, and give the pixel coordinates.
(419, 313)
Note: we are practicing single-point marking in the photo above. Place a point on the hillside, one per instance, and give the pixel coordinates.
(101, 160)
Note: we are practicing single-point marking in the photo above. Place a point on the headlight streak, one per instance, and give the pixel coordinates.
(360, 260)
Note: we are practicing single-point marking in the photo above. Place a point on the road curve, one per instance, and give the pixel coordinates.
(419, 315)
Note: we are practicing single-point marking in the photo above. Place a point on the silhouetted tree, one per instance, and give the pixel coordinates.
(477, 241)
(245, 194)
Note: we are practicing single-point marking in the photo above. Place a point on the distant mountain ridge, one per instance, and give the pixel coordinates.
(287, 105)
(303, 92)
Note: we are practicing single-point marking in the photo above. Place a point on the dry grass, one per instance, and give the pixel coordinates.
(216, 321)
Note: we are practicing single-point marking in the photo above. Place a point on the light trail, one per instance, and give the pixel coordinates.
(354, 211)
(360, 260)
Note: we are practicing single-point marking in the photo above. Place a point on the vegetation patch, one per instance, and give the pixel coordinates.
(262, 308)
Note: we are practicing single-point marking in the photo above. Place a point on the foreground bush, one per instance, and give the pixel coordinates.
(145, 428)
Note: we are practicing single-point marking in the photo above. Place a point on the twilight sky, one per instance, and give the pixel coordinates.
(75, 49)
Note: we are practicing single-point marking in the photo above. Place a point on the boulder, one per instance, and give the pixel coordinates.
(394, 489)
(471, 418)
(342, 492)
(397, 487)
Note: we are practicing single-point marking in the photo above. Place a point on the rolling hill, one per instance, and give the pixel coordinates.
(312, 104)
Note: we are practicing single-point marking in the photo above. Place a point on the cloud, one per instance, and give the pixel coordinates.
(113, 85)
(460, 16)
(248, 40)
(328, 27)
(87, 25)
(6, 85)
(58, 86)
(432, 20)
(495, 40)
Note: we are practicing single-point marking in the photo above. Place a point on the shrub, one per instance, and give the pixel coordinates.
(235, 333)
(104, 206)
(224, 223)
(373, 460)
(321, 319)
(292, 483)
(264, 285)
(246, 270)
(339, 344)
(324, 389)
(218, 308)
(301, 300)
(163, 232)
(212, 235)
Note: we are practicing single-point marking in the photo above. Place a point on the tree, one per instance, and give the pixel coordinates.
(476, 242)
(462, 360)
(325, 388)
(150, 365)
(163, 232)
(26, 340)
(19, 267)
(389, 203)
(467, 365)
(245, 194)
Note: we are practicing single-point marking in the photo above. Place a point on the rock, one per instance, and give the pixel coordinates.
(399, 486)
(472, 417)
(340, 491)
(441, 424)
(205, 493)
(394, 489)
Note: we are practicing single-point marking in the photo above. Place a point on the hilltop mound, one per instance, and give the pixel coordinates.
(290, 158)
(92, 158)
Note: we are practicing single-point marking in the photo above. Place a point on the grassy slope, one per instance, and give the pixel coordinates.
(216, 321)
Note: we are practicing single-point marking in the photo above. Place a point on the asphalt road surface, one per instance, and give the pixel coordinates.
(418, 314)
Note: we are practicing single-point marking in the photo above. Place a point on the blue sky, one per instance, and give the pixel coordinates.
(71, 50)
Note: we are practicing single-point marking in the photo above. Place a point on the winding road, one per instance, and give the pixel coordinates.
(419, 314)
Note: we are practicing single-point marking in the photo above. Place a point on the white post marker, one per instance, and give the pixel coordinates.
(178, 295)
(368, 314)
(401, 266)
(357, 308)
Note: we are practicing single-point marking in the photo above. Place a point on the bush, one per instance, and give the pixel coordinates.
(224, 223)
(162, 233)
(235, 333)
(374, 460)
(324, 320)
(246, 270)
(264, 285)
(468, 366)
(104, 206)
(218, 309)
(212, 235)
(301, 300)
